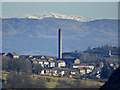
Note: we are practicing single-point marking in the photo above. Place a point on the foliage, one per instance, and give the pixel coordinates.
(102, 51)
(106, 71)
(22, 80)
(88, 57)
(19, 65)
(92, 54)
(36, 68)
(63, 84)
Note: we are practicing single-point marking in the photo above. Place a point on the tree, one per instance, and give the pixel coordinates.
(22, 80)
(37, 68)
(13, 80)
(106, 71)
(19, 65)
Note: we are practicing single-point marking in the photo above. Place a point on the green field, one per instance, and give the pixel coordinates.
(53, 82)
(112, 59)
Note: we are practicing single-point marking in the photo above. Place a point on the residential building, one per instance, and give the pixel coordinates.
(13, 55)
(35, 61)
(51, 64)
(83, 65)
(62, 73)
(74, 71)
(42, 57)
(42, 72)
(88, 70)
(77, 61)
(41, 62)
(61, 63)
(4, 54)
(46, 63)
(51, 59)
(82, 71)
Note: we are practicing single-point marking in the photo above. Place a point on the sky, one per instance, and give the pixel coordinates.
(98, 10)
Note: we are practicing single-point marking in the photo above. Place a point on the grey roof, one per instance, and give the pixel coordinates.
(12, 53)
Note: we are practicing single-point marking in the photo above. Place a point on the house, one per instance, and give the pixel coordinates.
(76, 66)
(46, 63)
(42, 72)
(62, 72)
(88, 70)
(77, 61)
(61, 63)
(42, 57)
(82, 71)
(4, 54)
(98, 75)
(51, 59)
(111, 64)
(51, 64)
(30, 56)
(55, 72)
(101, 64)
(83, 65)
(70, 76)
(74, 71)
(49, 72)
(35, 61)
(40, 62)
(13, 55)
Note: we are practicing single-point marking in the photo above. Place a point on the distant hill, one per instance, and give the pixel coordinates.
(39, 36)
(100, 51)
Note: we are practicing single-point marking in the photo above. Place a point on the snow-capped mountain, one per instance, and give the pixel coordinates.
(54, 15)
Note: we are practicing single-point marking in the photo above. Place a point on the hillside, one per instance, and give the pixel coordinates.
(39, 36)
(49, 82)
(113, 81)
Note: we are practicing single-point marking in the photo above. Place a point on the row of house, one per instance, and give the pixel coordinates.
(83, 65)
(12, 55)
(55, 71)
(49, 63)
(60, 72)
(65, 72)
(60, 67)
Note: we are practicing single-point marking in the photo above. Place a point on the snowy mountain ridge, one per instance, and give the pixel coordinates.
(54, 15)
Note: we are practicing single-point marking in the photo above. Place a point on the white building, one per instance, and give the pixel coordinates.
(82, 71)
(83, 65)
(41, 63)
(62, 73)
(51, 64)
(46, 63)
(61, 63)
(77, 61)
(42, 72)
(13, 55)
(88, 71)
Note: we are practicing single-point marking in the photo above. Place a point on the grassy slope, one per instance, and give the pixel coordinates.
(53, 81)
(112, 59)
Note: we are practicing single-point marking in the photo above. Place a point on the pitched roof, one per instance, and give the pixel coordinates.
(60, 61)
(74, 70)
(84, 64)
(81, 68)
(12, 53)
(51, 61)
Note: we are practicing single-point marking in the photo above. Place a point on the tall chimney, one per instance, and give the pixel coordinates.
(60, 43)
